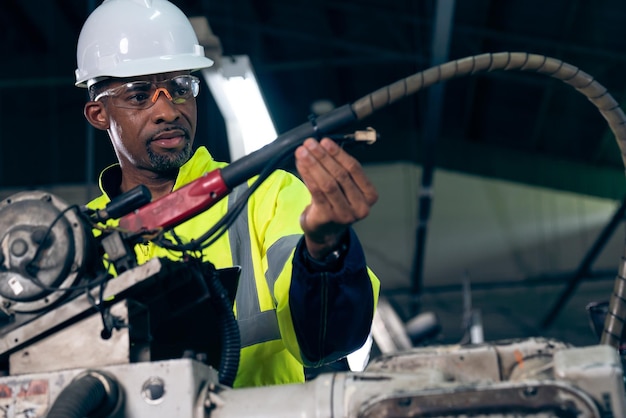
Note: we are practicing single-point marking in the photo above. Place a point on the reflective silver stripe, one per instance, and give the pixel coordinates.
(254, 326)
(259, 329)
(277, 256)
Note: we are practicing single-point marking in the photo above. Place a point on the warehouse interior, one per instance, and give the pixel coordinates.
(522, 174)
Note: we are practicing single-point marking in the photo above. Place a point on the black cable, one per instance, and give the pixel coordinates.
(216, 231)
(49, 231)
(228, 327)
(32, 267)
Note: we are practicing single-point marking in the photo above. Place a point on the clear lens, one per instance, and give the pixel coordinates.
(144, 94)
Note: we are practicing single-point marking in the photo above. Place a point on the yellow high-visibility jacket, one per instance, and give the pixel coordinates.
(289, 314)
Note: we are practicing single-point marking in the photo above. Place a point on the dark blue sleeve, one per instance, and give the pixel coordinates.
(331, 310)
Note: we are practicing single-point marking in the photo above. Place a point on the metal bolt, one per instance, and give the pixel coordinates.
(19, 247)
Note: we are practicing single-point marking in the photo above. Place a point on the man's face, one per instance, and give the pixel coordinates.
(158, 138)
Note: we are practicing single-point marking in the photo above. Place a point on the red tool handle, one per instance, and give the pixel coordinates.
(178, 206)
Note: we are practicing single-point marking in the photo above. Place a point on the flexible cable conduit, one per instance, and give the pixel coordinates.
(522, 61)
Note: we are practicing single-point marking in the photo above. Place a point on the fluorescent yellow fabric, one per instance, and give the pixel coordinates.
(273, 212)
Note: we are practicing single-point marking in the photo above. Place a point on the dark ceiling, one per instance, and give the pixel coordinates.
(524, 127)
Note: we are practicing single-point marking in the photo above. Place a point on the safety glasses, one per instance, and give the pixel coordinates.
(144, 94)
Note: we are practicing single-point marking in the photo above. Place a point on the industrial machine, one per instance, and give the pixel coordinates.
(77, 340)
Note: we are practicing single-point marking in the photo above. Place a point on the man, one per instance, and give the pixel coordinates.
(305, 296)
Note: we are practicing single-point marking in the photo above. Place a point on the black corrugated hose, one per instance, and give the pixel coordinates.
(229, 329)
(91, 394)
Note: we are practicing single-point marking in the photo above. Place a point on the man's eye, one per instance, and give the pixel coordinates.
(138, 97)
(181, 92)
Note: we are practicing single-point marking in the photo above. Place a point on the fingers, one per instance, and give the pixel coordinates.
(357, 177)
(341, 192)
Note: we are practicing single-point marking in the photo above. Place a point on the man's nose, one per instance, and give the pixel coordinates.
(164, 111)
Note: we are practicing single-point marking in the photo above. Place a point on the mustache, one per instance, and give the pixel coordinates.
(169, 129)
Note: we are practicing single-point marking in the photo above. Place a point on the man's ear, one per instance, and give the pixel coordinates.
(97, 115)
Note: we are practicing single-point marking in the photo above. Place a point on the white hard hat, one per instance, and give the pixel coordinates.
(126, 38)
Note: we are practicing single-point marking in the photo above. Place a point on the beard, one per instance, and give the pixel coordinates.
(171, 161)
